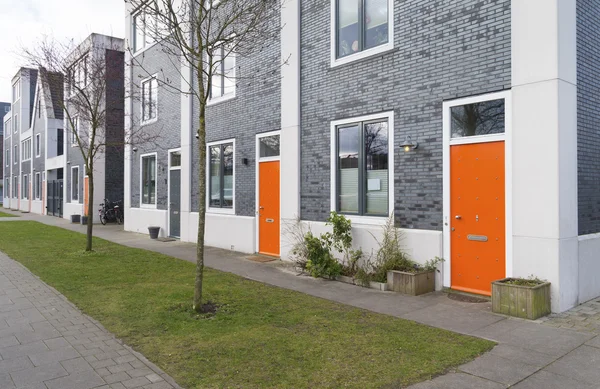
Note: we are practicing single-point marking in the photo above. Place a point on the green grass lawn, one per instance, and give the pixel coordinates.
(4, 214)
(261, 337)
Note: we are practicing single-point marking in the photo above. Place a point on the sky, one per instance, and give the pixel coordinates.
(25, 22)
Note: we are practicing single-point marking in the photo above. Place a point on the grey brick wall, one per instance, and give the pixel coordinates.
(255, 109)
(165, 133)
(444, 49)
(588, 115)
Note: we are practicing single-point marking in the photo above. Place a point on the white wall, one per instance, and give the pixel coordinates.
(139, 219)
(589, 267)
(228, 232)
(420, 245)
(36, 207)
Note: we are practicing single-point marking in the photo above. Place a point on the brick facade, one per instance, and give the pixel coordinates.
(442, 50)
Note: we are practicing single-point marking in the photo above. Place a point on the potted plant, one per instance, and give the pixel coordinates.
(414, 280)
(525, 298)
(153, 231)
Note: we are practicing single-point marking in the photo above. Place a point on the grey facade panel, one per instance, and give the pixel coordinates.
(442, 50)
(256, 108)
(165, 133)
(588, 115)
(115, 127)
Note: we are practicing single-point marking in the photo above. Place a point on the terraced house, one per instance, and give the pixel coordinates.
(473, 122)
(43, 167)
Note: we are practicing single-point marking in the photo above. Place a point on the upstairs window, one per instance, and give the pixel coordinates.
(143, 30)
(26, 150)
(38, 147)
(16, 90)
(7, 158)
(16, 123)
(223, 77)
(362, 25)
(75, 131)
(149, 99)
(78, 74)
(15, 154)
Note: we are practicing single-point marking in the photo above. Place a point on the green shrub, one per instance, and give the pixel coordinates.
(320, 262)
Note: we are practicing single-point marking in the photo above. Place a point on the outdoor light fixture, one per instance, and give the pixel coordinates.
(408, 144)
(245, 161)
(135, 149)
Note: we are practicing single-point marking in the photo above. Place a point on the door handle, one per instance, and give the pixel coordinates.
(458, 217)
(261, 207)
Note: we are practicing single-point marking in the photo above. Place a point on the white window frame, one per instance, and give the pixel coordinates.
(134, 46)
(37, 187)
(38, 146)
(7, 157)
(228, 96)
(8, 127)
(16, 90)
(76, 131)
(75, 74)
(15, 154)
(361, 219)
(76, 201)
(209, 209)
(149, 81)
(142, 205)
(365, 53)
(25, 187)
(15, 187)
(26, 150)
(16, 124)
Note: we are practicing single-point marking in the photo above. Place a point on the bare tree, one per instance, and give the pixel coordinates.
(93, 99)
(205, 35)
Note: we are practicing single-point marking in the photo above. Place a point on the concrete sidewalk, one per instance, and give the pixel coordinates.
(529, 354)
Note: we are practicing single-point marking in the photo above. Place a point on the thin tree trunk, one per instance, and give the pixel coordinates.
(90, 211)
(202, 198)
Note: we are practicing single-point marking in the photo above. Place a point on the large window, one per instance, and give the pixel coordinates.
(15, 154)
(38, 186)
(149, 99)
(148, 179)
(223, 77)
(7, 187)
(362, 163)
(7, 157)
(15, 187)
(16, 123)
(361, 25)
(25, 187)
(26, 150)
(38, 146)
(144, 30)
(75, 183)
(221, 165)
(7, 127)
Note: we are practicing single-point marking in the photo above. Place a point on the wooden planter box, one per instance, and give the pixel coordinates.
(526, 302)
(413, 284)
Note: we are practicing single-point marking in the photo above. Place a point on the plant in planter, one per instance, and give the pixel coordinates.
(527, 298)
(415, 281)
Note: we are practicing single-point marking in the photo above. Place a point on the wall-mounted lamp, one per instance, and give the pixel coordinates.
(68, 162)
(197, 135)
(135, 149)
(409, 145)
(245, 161)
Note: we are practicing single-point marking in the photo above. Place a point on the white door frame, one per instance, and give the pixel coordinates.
(257, 181)
(447, 142)
(169, 190)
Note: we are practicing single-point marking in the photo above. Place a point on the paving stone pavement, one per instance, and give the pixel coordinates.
(585, 317)
(47, 343)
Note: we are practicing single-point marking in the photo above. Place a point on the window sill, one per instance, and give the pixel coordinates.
(221, 99)
(147, 122)
(379, 50)
(367, 220)
(148, 206)
(221, 211)
(145, 48)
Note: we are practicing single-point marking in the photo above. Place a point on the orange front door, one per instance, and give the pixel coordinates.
(268, 208)
(477, 206)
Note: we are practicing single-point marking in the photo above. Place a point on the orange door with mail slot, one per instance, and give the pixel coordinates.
(478, 225)
(268, 208)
